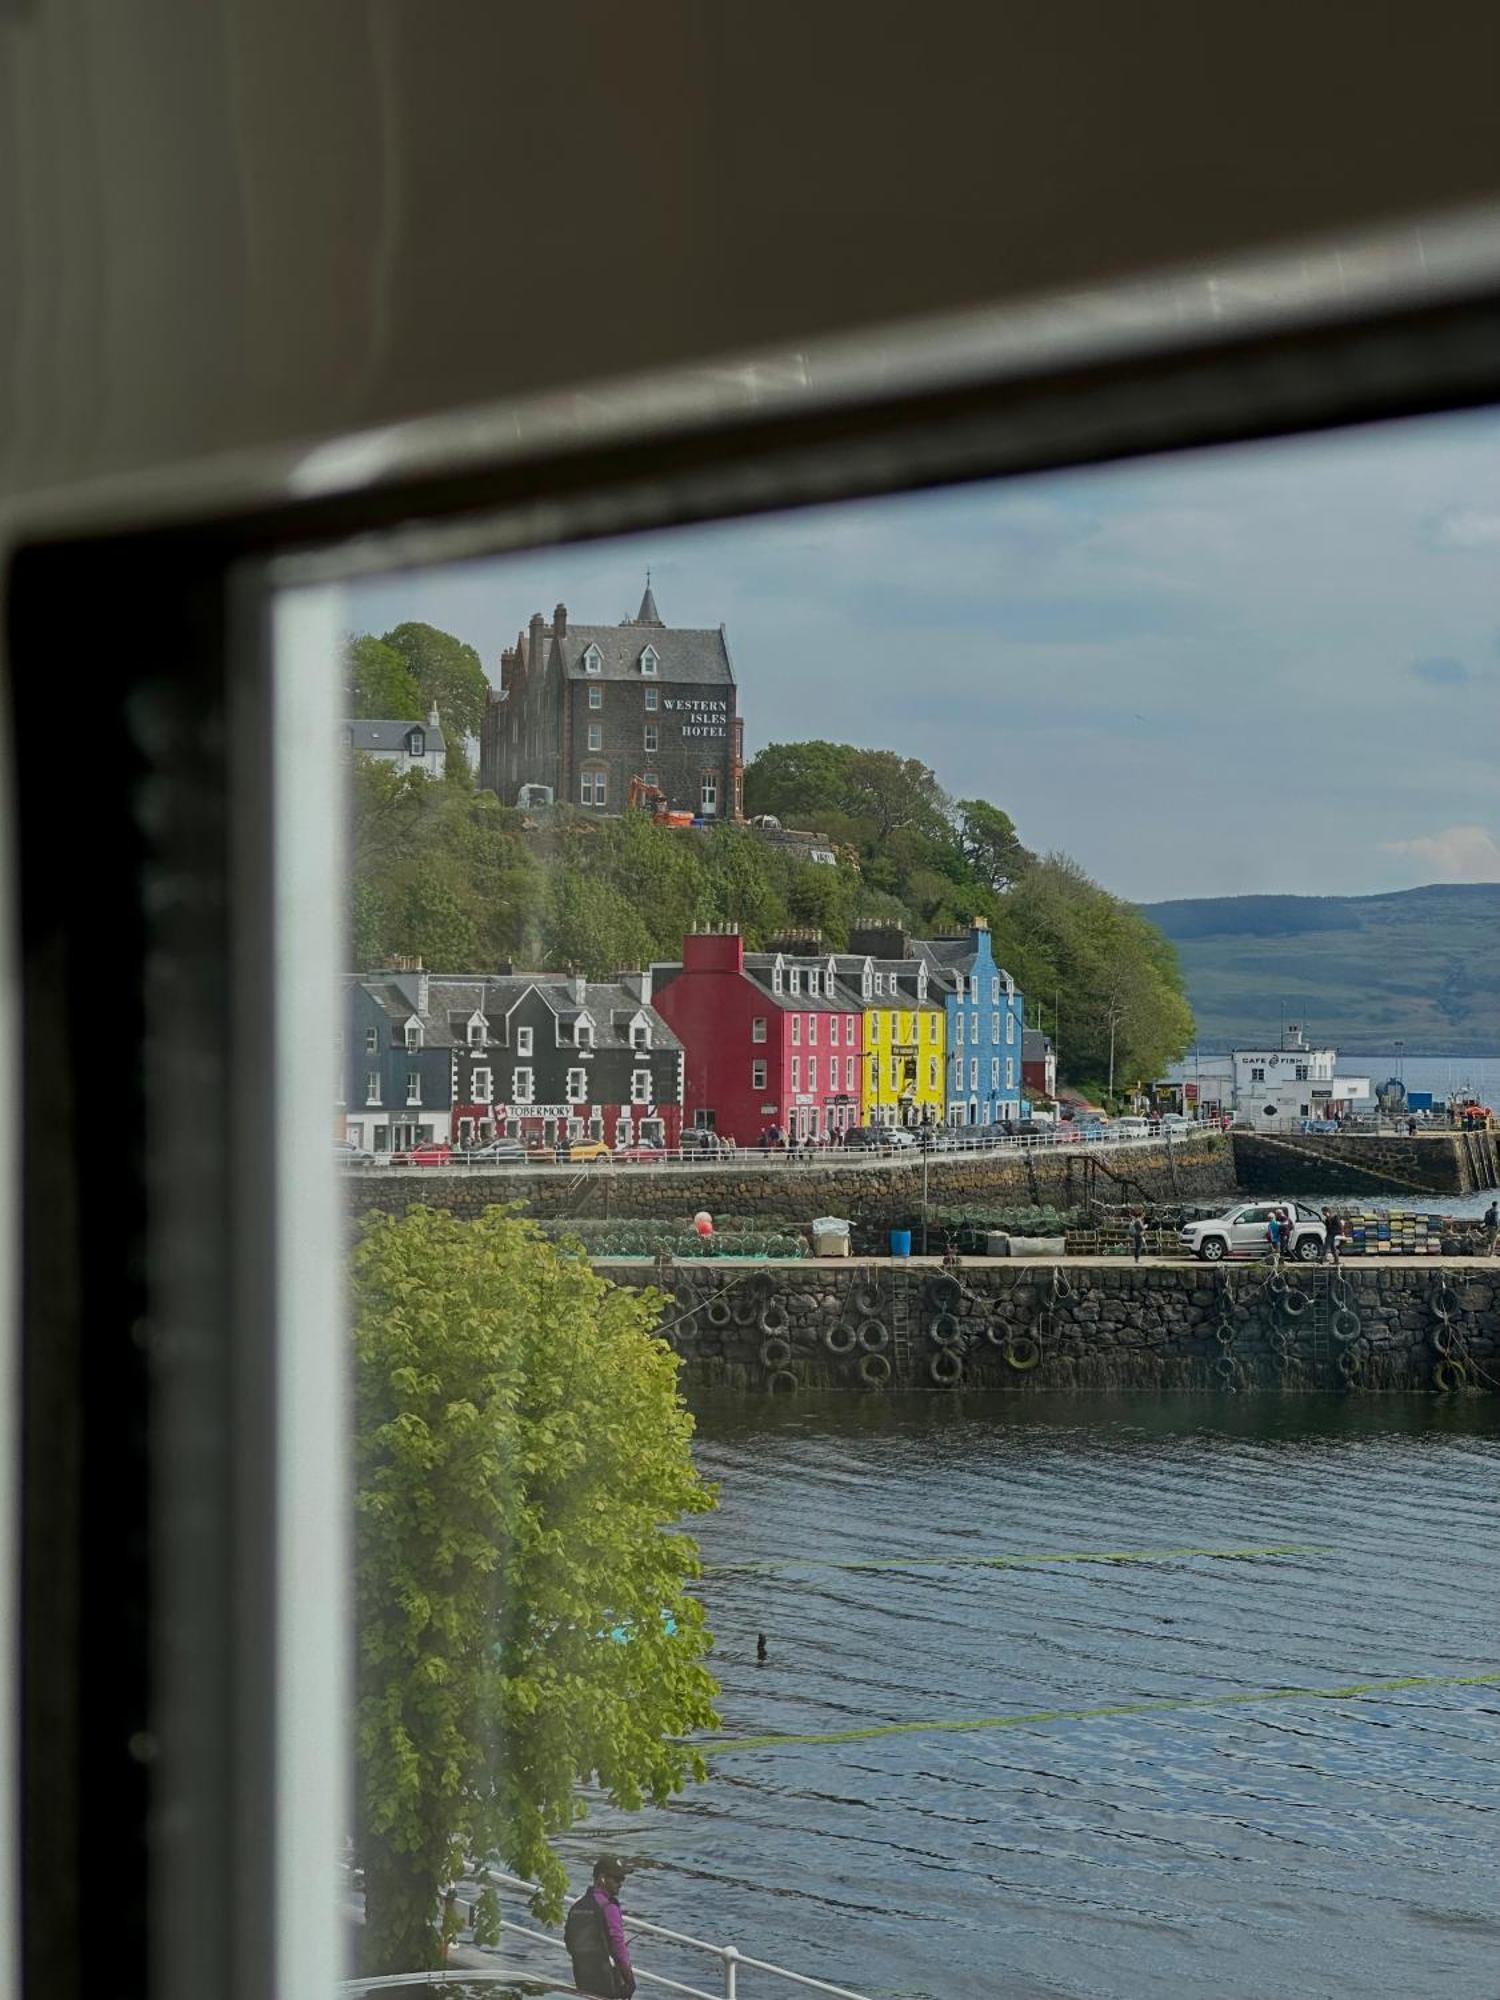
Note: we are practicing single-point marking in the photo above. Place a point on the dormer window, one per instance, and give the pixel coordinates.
(593, 661)
(866, 982)
(640, 1033)
(479, 1029)
(414, 1034)
(776, 977)
(583, 1033)
(650, 660)
(796, 980)
(814, 980)
(416, 743)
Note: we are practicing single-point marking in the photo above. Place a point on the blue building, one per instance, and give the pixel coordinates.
(986, 1028)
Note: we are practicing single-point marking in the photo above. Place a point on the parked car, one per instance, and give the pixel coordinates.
(434, 1153)
(571, 1150)
(1241, 1232)
(497, 1153)
(899, 1135)
(705, 1144)
(1133, 1128)
(640, 1155)
(863, 1138)
(348, 1155)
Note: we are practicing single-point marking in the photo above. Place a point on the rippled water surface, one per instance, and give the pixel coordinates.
(1234, 1838)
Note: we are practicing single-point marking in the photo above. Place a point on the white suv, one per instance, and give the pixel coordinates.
(1241, 1232)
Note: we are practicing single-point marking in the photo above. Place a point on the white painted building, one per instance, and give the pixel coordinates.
(1273, 1087)
(410, 746)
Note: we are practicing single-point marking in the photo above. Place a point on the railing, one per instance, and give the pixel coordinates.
(804, 1155)
(729, 1956)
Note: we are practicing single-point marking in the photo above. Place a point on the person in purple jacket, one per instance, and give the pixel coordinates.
(595, 1935)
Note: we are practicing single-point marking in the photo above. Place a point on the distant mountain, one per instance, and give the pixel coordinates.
(1358, 971)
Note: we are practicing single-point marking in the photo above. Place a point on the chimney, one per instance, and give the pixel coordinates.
(879, 941)
(534, 652)
(713, 951)
(580, 990)
(560, 621)
(636, 984)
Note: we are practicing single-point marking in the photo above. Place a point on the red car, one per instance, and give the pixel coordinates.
(437, 1153)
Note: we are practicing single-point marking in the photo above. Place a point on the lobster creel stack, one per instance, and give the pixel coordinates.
(1379, 1232)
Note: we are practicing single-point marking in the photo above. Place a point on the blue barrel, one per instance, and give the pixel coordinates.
(900, 1242)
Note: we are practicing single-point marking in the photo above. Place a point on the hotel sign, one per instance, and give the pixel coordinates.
(701, 714)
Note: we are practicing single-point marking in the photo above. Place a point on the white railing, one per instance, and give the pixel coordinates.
(729, 1956)
(778, 1158)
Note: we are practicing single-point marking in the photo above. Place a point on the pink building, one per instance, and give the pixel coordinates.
(771, 1040)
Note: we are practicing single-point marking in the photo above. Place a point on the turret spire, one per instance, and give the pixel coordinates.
(648, 613)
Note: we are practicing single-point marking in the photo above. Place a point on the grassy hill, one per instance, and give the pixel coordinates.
(1422, 964)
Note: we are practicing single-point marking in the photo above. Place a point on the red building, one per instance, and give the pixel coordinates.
(771, 1041)
(1038, 1066)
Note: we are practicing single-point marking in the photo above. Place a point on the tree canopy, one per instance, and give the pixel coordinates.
(378, 683)
(448, 675)
(522, 1465)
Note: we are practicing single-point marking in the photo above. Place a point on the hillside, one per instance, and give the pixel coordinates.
(1421, 964)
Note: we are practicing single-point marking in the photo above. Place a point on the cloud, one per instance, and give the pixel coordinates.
(1441, 671)
(1458, 853)
(1468, 528)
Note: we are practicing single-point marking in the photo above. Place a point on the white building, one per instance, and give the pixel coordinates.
(1273, 1087)
(410, 746)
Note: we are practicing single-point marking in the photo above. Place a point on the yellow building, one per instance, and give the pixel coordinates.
(904, 1040)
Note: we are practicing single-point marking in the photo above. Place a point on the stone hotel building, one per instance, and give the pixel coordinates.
(583, 709)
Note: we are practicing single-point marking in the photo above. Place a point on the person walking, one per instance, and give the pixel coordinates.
(594, 1934)
(1333, 1230)
(1137, 1235)
(1273, 1236)
(1491, 1225)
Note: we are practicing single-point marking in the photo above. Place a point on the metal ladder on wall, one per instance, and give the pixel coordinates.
(901, 1322)
(1319, 1284)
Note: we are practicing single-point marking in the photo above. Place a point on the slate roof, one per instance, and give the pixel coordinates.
(392, 735)
(758, 969)
(1034, 1045)
(851, 968)
(683, 654)
(611, 1007)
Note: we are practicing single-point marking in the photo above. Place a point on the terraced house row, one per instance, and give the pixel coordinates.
(801, 1041)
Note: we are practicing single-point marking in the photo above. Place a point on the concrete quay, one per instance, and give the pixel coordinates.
(864, 1326)
(1366, 1164)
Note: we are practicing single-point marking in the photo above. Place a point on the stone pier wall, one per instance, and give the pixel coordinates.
(1370, 1166)
(876, 1193)
(868, 1326)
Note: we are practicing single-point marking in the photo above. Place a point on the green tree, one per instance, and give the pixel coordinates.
(378, 682)
(990, 844)
(449, 675)
(522, 1460)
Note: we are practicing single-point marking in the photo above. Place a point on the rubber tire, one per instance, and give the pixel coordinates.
(1441, 1302)
(874, 1370)
(1014, 1356)
(783, 1383)
(1309, 1251)
(944, 1330)
(775, 1353)
(1345, 1325)
(745, 1308)
(1448, 1375)
(1213, 1249)
(1294, 1303)
(866, 1301)
(1282, 1344)
(946, 1369)
(1224, 1335)
(718, 1312)
(1228, 1370)
(1350, 1363)
(1339, 1293)
(873, 1336)
(1443, 1338)
(1277, 1286)
(943, 1294)
(997, 1332)
(840, 1339)
(773, 1319)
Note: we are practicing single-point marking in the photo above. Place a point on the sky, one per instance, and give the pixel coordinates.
(1266, 668)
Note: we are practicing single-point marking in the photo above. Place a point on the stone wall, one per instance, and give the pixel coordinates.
(1355, 1164)
(876, 1193)
(868, 1326)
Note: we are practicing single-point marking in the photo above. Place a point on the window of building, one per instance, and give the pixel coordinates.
(932, 1075)
(796, 1072)
(593, 786)
(593, 661)
(995, 989)
(812, 1020)
(812, 1072)
(481, 1084)
(776, 978)
(994, 1027)
(794, 985)
(417, 743)
(709, 792)
(973, 1072)
(414, 1086)
(520, 1087)
(651, 700)
(994, 1072)
(372, 1041)
(1010, 1025)
(414, 1034)
(479, 1028)
(1301, 1073)
(650, 660)
(649, 778)
(960, 1021)
(596, 697)
(866, 984)
(758, 1075)
(974, 1029)
(578, 1086)
(1010, 1072)
(372, 1087)
(622, 1131)
(640, 1086)
(880, 985)
(653, 1132)
(652, 737)
(874, 1027)
(796, 1027)
(640, 1034)
(583, 1033)
(758, 1028)
(596, 736)
(1258, 1075)
(523, 1041)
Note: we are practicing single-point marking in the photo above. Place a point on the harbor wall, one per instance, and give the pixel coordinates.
(876, 1193)
(1444, 1163)
(868, 1326)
